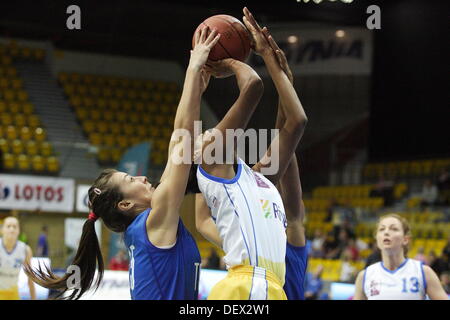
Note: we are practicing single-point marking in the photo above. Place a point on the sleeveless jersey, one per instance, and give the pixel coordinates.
(162, 274)
(249, 215)
(407, 282)
(10, 264)
(296, 265)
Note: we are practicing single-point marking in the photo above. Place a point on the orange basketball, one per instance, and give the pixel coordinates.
(234, 39)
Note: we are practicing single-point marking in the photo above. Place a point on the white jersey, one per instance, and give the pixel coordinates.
(407, 282)
(10, 264)
(249, 215)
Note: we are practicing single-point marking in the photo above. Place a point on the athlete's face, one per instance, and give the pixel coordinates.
(390, 235)
(10, 229)
(136, 190)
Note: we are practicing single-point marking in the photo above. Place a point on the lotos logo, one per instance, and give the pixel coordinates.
(4, 192)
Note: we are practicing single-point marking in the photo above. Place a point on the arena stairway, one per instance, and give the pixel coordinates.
(63, 131)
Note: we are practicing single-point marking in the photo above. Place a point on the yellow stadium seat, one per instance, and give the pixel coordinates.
(95, 115)
(75, 77)
(11, 133)
(3, 107)
(25, 133)
(94, 90)
(135, 140)
(104, 155)
(52, 164)
(45, 149)
(134, 117)
(115, 128)
(116, 154)
(136, 83)
(146, 119)
(112, 81)
(23, 162)
(132, 94)
(6, 119)
(95, 138)
(69, 89)
(31, 148)
(155, 132)
(101, 103)
(22, 95)
(109, 140)
(124, 82)
(87, 79)
(9, 161)
(122, 141)
(140, 107)
(126, 106)
(6, 60)
(82, 113)
(108, 115)
(4, 83)
(144, 95)
(87, 102)
(40, 134)
(19, 120)
(76, 101)
(128, 129)
(107, 92)
(149, 84)
(141, 131)
(102, 127)
(33, 121)
(39, 54)
(63, 77)
(11, 71)
(119, 93)
(4, 145)
(121, 116)
(88, 126)
(37, 163)
(14, 107)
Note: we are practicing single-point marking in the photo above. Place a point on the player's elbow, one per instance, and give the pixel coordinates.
(255, 85)
(296, 124)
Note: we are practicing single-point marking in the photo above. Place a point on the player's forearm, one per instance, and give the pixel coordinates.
(189, 106)
(209, 231)
(251, 89)
(32, 290)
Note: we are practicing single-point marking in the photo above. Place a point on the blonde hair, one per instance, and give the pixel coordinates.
(405, 226)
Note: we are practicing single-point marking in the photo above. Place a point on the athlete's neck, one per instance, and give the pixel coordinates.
(9, 243)
(393, 260)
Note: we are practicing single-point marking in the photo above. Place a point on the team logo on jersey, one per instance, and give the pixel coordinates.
(214, 202)
(265, 204)
(260, 182)
(374, 288)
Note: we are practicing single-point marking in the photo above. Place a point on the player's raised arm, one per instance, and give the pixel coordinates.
(250, 91)
(292, 129)
(168, 196)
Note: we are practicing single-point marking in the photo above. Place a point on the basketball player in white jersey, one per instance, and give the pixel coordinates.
(245, 205)
(13, 254)
(397, 277)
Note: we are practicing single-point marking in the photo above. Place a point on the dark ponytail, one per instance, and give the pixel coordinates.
(103, 200)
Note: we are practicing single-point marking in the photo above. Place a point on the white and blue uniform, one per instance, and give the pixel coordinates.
(249, 215)
(407, 282)
(10, 266)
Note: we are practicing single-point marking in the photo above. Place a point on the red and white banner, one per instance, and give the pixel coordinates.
(31, 193)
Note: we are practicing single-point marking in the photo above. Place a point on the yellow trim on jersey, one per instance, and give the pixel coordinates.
(10, 294)
(238, 283)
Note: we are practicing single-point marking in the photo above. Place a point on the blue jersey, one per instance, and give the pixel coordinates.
(296, 264)
(162, 274)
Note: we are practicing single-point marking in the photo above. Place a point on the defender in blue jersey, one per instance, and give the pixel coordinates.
(164, 257)
(287, 181)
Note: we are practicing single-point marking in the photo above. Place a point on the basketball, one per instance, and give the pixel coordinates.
(234, 39)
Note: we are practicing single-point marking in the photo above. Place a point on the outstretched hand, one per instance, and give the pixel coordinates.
(259, 42)
(281, 57)
(203, 43)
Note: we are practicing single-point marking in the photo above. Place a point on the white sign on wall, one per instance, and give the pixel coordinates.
(73, 227)
(31, 193)
(322, 51)
(82, 198)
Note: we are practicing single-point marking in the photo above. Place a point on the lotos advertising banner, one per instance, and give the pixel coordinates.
(31, 193)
